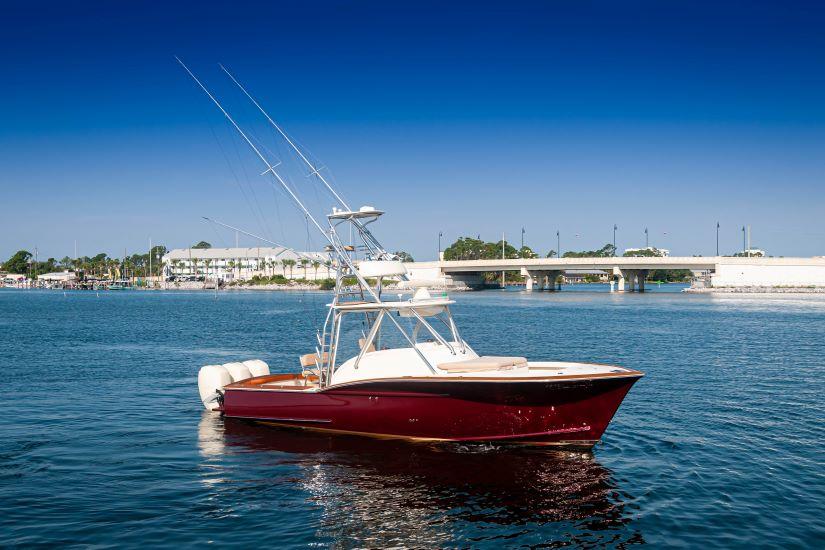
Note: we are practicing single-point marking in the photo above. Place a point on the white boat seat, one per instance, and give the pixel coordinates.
(311, 359)
(483, 363)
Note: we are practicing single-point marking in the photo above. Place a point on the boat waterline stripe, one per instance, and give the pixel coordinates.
(278, 422)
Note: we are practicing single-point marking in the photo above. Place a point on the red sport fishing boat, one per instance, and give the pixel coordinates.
(389, 367)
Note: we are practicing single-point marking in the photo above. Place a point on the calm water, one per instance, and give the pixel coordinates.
(104, 442)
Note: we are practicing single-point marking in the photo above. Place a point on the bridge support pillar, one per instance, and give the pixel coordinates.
(641, 275)
(539, 280)
(619, 278)
(551, 279)
(629, 280)
(529, 278)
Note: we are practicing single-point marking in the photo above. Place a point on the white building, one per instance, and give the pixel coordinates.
(244, 263)
(12, 279)
(58, 277)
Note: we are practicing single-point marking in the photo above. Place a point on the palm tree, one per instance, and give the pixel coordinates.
(289, 263)
(304, 264)
(272, 265)
(207, 263)
(232, 266)
(316, 264)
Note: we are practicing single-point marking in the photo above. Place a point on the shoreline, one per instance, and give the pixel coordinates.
(758, 290)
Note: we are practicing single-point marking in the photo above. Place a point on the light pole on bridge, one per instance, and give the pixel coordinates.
(615, 227)
(717, 238)
(440, 234)
(647, 240)
(558, 244)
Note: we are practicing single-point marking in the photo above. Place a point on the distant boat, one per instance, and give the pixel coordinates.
(120, 285)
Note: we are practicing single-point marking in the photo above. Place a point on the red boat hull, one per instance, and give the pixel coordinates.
(572, 412)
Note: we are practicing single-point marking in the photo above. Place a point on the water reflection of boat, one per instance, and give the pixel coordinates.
(387, 493)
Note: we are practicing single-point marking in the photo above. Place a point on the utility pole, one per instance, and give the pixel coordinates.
(558, 244)
(522, 238)
(615, 227)
(717, 238)
(440, 234)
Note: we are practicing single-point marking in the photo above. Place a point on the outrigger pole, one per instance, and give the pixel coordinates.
(314, 171)
(270, 168)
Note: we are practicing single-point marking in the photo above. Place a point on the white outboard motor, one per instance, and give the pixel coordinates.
(212, 378)
(238, 371)
(257, 367)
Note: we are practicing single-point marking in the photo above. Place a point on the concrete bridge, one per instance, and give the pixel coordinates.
(630, 272)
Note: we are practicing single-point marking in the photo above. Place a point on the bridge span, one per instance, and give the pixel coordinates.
(630, 272)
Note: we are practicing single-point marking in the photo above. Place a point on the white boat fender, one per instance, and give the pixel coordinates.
(257, 367)
(238, 371)
(211, 380)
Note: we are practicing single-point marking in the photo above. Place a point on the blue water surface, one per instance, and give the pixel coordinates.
(104, 442)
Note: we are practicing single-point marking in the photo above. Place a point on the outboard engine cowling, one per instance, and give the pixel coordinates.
(257, 367)
(212, 378)
(238, 371)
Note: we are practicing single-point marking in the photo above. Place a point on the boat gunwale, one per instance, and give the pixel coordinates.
(628, 373)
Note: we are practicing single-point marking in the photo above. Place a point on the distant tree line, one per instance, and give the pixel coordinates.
(468, 248)
(99, 265)
(607, 251)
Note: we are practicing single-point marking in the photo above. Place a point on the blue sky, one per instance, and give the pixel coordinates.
(465, 118)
